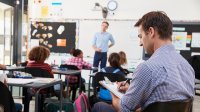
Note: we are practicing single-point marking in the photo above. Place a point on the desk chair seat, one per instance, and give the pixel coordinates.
(171, 106)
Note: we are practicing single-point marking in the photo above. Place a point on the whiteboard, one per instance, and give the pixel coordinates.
(124, 33)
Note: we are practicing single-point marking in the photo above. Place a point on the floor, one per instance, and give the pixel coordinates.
(196, 103)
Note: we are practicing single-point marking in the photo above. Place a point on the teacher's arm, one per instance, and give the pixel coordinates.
(94, 45)
(112, 41)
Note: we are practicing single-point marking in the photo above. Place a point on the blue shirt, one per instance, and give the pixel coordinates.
(101, 40)
(165, 76)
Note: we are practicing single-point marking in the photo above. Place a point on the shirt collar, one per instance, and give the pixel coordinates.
(164, 49)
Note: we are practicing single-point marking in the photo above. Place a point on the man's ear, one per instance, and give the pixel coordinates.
(151, 32)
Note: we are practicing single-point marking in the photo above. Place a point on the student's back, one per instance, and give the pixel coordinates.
(114, 68)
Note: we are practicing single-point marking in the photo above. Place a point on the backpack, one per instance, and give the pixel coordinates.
(104, 93)
(81, 104)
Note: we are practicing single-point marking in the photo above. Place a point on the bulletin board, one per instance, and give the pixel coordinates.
(185, 38)
(58, 37)
(191, 32)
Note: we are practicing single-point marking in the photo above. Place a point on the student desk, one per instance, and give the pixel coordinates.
(44, 83)
(11, 69)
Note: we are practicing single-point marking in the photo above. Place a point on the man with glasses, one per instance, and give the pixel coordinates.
(100, 45)
(165, 76)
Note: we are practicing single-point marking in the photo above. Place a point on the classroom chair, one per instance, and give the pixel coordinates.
(171, 106)
(195, 63)
(44, 93)
(74, 80)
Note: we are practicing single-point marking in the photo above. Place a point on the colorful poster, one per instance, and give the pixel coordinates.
(179, 40)
(58, 37)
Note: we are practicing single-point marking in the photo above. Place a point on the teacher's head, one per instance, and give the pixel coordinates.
(104, 26)
(155, 30)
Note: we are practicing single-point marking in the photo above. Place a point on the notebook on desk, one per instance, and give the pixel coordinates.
(112, 87)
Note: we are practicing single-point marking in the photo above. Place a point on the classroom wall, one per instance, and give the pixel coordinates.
(127, 9)
(121, 20)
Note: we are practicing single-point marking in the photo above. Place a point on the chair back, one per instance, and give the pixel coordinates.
(6, 99)
(113, 77)
(70, 67)
(38, 72)
(171, 106)
(195, 63)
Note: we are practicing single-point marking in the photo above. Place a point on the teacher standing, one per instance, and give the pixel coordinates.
(101, 44)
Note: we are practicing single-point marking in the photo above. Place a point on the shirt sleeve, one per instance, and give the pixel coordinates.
(139, 90)
(86, 64)
(94, 40)
(112, 39)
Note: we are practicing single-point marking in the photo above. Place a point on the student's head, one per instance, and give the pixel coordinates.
(154, 27)
(114, 59)
(123, 59)
(39, 54)
(76, 53)
(104, 26)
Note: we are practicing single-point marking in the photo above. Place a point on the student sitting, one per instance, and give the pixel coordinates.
(123, 60)
(78, 61)
(37, 56)
(114, 67)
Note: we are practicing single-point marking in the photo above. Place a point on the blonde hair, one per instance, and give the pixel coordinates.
(39, 54)
(123, 59)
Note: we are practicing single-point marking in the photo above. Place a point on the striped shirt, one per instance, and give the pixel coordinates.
(166, 76)
(79, 62)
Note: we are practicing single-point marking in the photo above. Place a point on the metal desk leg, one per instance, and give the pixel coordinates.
(89, 87)
(80, 90)
(67, 87)
(36, 100)
(11, 89)
(61, 89)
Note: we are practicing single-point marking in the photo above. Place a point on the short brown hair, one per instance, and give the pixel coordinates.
(39, 54)
(158, 20)
(75, 52)
(105, 22)
(114, 60)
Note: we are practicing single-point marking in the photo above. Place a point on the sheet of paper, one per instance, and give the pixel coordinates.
(195, 40)
(112, 87)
